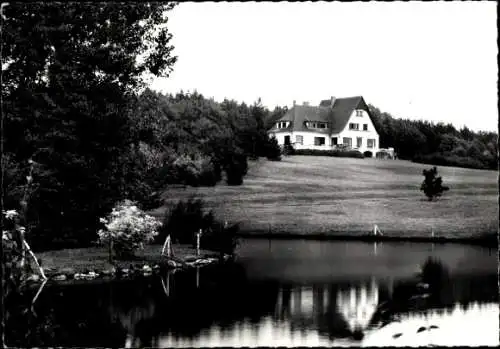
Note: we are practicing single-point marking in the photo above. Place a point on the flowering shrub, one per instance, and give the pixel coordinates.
(12, 228)
(128, 228)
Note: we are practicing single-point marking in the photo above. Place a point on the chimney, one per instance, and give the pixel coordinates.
(332, 101)
(305, 103)
(294, 102)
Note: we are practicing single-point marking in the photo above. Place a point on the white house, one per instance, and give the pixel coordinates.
(335, 123)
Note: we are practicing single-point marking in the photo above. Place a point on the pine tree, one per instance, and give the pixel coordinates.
(432, 186)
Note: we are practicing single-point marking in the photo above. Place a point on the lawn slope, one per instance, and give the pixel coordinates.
(304, 195)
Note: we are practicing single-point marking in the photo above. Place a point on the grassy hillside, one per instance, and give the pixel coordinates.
(337, 196)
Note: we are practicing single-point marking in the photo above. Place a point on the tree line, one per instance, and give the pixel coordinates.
(436, 144)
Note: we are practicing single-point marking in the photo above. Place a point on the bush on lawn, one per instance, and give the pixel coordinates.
(273, 149)
(432, 186)
(288, 149)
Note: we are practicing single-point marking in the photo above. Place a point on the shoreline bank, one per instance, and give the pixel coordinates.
(92, 263)
(488, 240)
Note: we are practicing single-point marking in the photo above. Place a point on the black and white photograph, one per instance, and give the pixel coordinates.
(249, 174)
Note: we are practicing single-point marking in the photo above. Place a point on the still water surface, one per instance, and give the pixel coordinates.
(283, 293)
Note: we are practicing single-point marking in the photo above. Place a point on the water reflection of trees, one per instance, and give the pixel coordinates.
(435, 288)
(220, 298)
(64, 315)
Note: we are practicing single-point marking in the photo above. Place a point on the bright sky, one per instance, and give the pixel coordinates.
(435, 61)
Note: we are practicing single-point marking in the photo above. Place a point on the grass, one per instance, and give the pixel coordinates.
(96, 258)
(337, 197)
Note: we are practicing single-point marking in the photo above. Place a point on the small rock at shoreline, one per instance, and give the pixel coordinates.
(173, 264)
(109, 271)
(34, 277)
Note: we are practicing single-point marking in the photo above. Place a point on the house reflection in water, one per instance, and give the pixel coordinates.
(335, 311)
(357, 305)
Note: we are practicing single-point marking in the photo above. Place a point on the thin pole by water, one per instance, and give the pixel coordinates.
(168, 284)
(198, 243)
(197, 277)
(432, 234)
(269, 237)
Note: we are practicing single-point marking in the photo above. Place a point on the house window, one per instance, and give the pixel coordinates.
(359, 142)
(371, 143)
(347, 141)
(282, 124)
(359, 113)
(353, 126)
(335, 141)
(299, 139)
(365, 127)
(322, 125)
(319, 140)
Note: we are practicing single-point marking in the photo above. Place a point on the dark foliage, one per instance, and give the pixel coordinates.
(288, 149)
(273, 151)
(187, 218)
(432, 186)
(70, 78)
(334, 153)
(184, 220)
(453, 160)
(436, 144)
(236, 168)
(221, 238)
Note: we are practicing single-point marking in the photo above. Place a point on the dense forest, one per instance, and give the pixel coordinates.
(437, 144)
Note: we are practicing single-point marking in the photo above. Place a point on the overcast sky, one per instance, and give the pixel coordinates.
(435, 61)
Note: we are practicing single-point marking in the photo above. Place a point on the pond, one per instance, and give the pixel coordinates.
(281, 293)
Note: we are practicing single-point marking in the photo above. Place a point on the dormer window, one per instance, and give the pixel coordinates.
(359, 113)
(316, 124)
(282, 124)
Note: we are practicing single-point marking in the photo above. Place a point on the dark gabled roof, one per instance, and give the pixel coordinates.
(342, 111)
(337, 117)
(298, 116)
